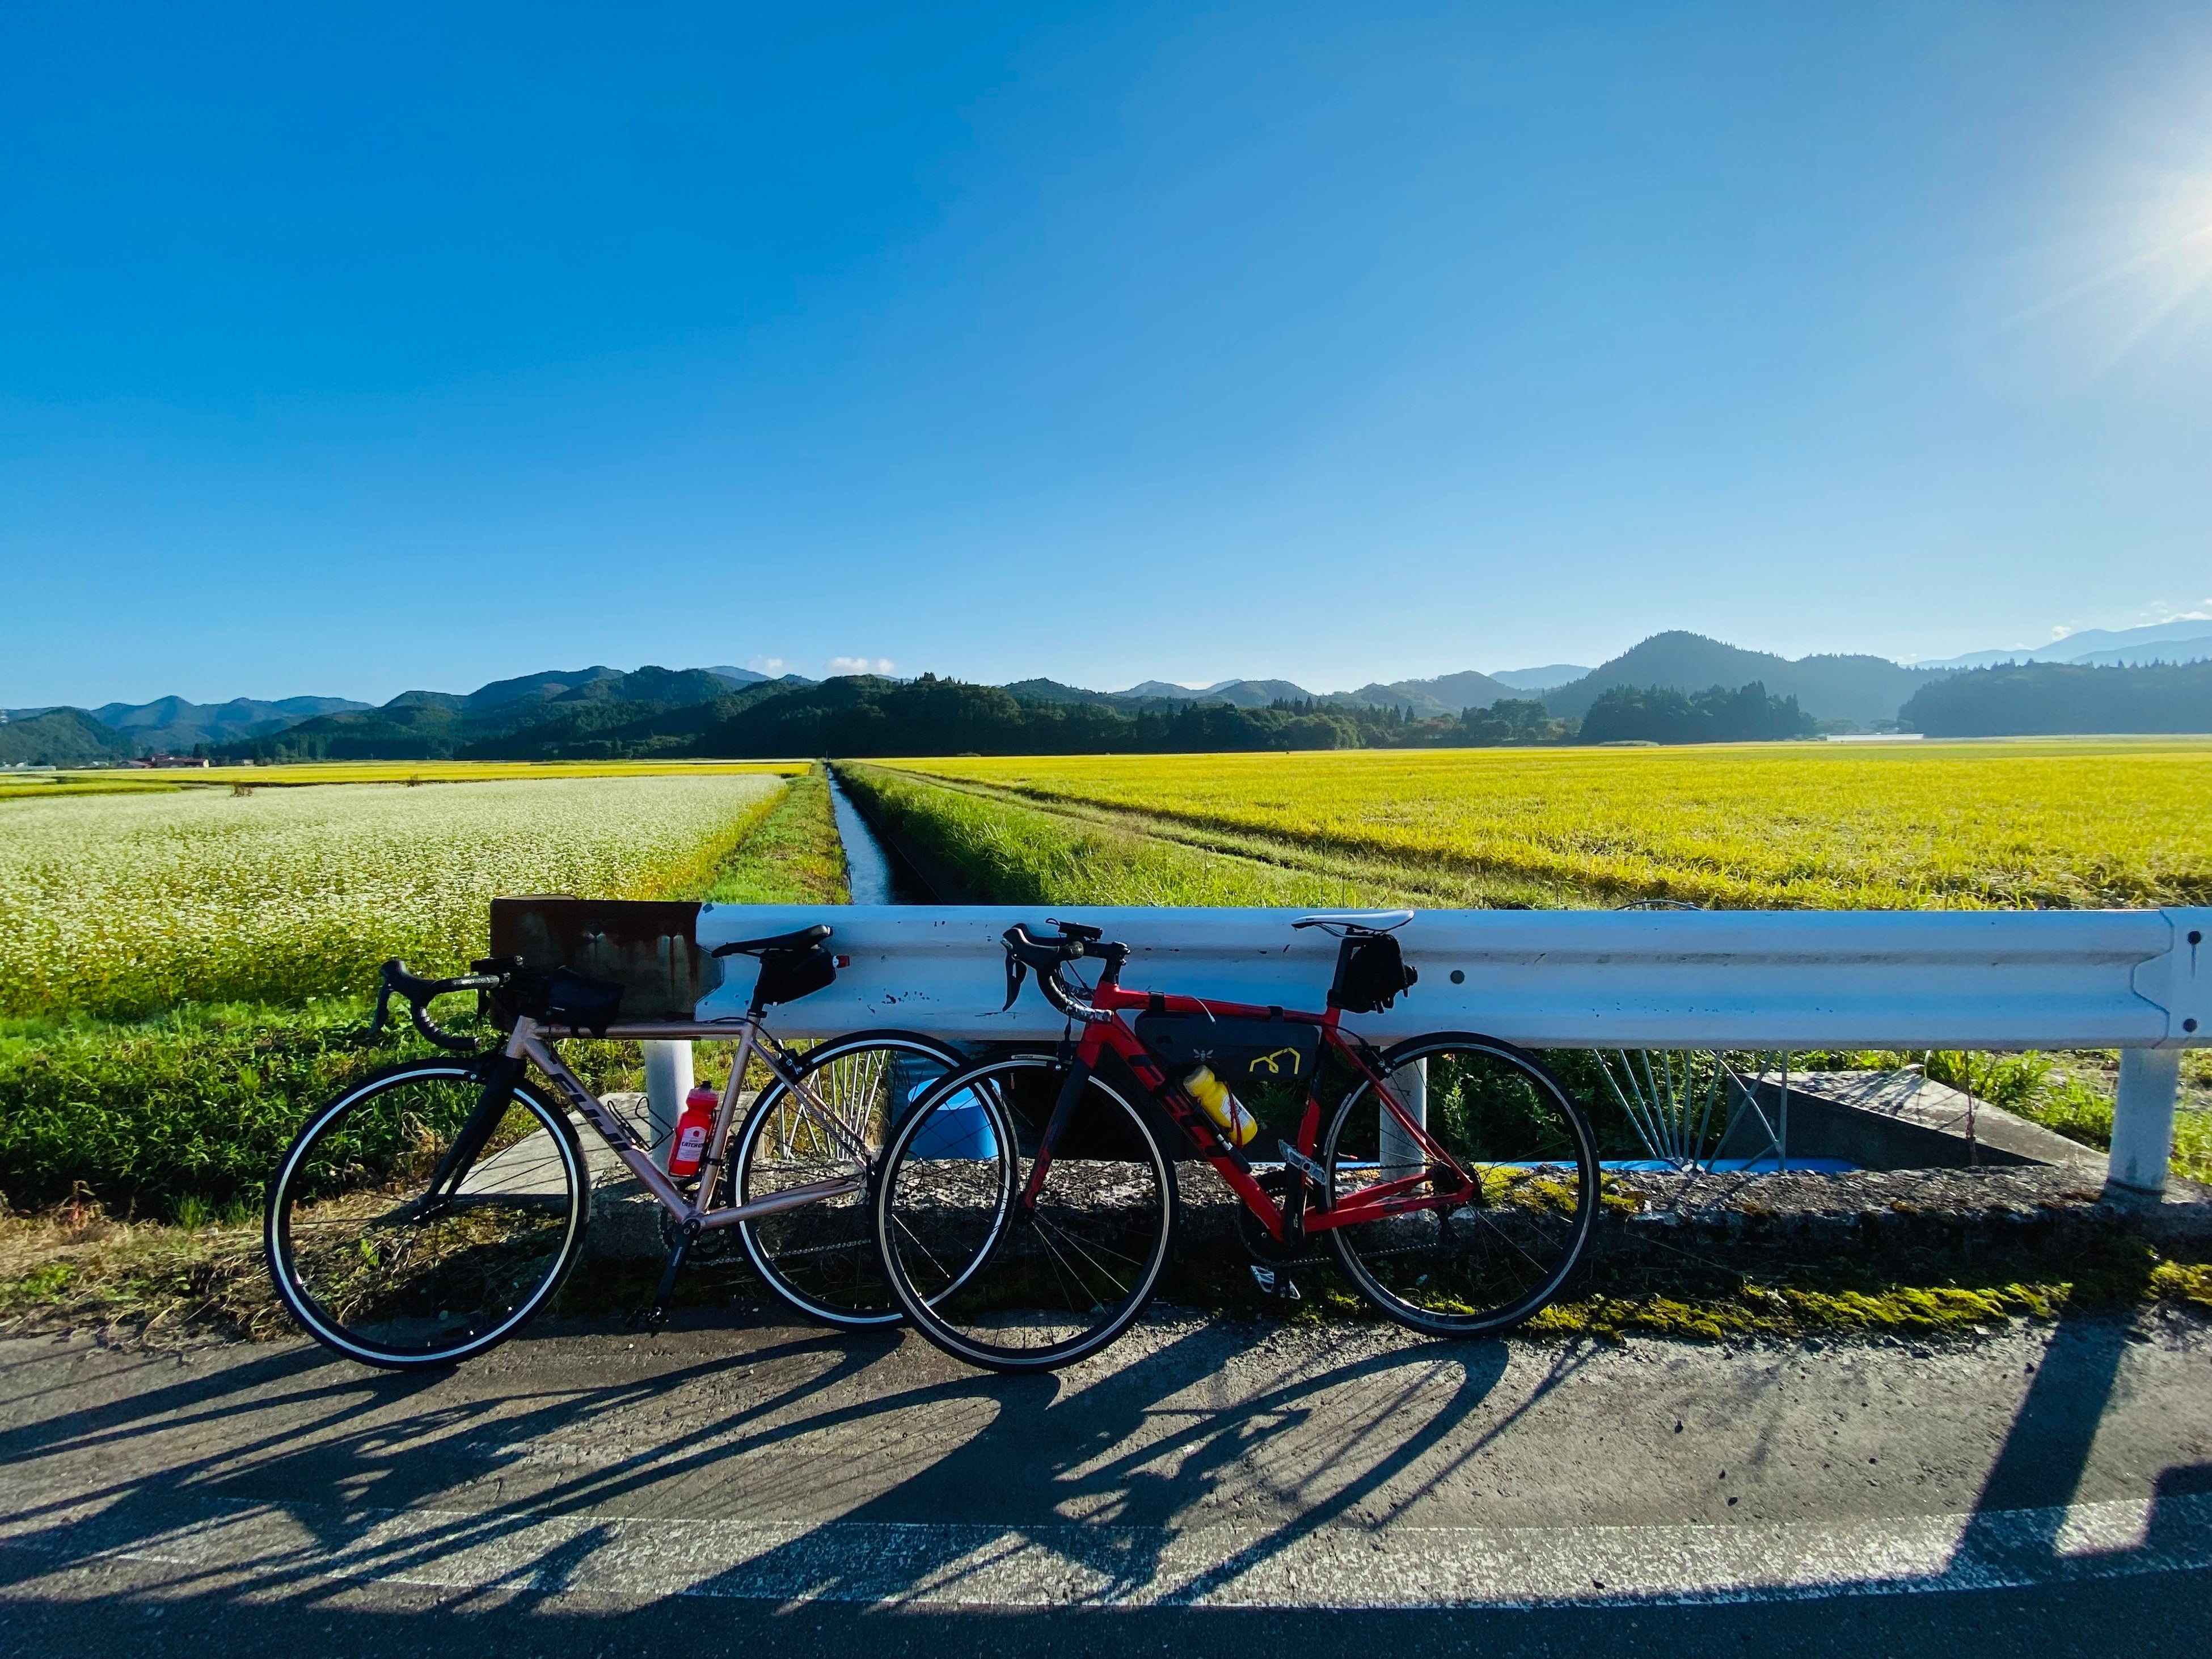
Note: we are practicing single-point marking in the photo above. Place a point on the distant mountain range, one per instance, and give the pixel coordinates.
(2187, 640)
(171, 726)
(590, 713)
(1538, 679)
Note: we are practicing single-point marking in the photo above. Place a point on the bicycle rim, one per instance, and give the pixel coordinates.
(822, 1258)
(1490, 1259)
(991, 1281)
(373, 1271)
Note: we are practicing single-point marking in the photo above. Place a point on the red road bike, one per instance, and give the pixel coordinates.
(1025, 1210)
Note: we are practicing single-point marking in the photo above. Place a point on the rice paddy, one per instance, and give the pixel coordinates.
(1979, 825)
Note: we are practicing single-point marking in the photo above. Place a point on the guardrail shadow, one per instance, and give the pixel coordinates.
(2017, 1533)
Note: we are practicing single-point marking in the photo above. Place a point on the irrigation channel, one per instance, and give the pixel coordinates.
(874, 873)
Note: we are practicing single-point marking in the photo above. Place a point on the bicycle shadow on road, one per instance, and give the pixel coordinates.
(1077, 1467)
(1089, 1476)
(336, 1450)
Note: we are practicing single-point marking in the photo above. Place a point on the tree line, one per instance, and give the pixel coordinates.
(934, 716)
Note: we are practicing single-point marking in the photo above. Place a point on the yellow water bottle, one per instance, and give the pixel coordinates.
(1224, 1108)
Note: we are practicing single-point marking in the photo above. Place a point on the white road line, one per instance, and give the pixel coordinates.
(947, 1565)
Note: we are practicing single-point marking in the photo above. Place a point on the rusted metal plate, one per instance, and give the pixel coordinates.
(649, 947)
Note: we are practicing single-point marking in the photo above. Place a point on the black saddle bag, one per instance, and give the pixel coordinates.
(1237, 1050)
(787, 976)
(1372, 973)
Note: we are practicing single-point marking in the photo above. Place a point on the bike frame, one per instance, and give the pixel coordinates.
(532, 1042)
(1108, 1032)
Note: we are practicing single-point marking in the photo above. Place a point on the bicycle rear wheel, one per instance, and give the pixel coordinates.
(1491, 1261)
(372, 1268)
(983, 1275)
(822, 1258)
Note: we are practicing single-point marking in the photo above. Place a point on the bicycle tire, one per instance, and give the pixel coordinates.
(370, 1273)
(822, 1260)
(1505, 1118)
(996, 1286)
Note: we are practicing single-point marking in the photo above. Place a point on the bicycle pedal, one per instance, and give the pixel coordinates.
(1274, 1283)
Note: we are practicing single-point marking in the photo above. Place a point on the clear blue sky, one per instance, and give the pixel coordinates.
(345, 351)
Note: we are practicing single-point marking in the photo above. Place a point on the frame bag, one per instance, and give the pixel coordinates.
(1238, 1050)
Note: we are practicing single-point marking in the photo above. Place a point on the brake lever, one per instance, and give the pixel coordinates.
(383, 1014)
(377, 1019)
(1017, 970)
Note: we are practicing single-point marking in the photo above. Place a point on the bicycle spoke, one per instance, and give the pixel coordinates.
(1494, 1259)
(374, 1267)
(1027, 1290)
(829, 1120)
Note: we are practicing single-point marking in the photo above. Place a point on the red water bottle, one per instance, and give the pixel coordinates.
(692, 1130)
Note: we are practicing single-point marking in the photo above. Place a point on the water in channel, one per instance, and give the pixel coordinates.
(875, 874)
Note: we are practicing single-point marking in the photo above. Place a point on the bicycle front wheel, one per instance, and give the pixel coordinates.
(1527, 1166)
(374, 1268)
(987, 1276)
(821, 1257)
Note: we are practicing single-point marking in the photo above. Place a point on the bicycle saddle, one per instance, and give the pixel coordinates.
(803, 939)
(1359, 921)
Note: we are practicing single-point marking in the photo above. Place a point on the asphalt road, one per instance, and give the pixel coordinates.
(1207, 1486)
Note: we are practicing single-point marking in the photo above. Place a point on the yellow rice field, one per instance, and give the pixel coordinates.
(1997, 823)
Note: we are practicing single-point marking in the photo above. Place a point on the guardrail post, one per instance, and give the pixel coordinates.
(2143, 1119)
(1398, 1153)
(667, 1080)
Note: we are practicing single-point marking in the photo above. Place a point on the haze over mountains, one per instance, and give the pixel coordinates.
(588, 710)
(2187, 639)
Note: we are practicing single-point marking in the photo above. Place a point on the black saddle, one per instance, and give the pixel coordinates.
(805, 938)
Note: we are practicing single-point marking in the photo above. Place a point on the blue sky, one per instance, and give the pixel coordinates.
(346, 352)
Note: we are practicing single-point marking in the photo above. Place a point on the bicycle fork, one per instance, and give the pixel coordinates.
(499, 1080)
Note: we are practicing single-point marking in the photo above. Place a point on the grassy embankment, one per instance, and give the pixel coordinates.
(1979, 825)
(133, 1150)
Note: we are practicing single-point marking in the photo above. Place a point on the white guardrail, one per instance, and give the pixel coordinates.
(2139, 981)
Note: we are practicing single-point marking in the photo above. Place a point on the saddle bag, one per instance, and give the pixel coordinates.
(1240, 1050)
(787, 976)
(1372, 973)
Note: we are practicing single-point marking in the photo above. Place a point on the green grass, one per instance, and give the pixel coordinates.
(182, 1116)
(2068, 1093)
(1010, 852)
(794, 857)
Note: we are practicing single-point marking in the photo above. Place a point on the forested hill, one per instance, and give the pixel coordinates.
(2016, 700)
(1673, 687)
(867, 716)
(525, 718)
(61, 737)
(1865, 689)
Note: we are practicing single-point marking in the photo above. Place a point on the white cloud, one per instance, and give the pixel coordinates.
(765, 665)
(2160, 612)
(860, 665)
